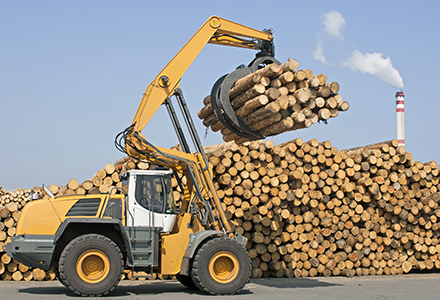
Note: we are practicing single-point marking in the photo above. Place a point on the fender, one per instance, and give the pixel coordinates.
(195, 240)
(67, 222)
(94, 223)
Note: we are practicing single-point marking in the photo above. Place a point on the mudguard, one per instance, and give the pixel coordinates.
(194, 241)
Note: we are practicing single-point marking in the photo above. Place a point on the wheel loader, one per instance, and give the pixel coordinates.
(88, 240)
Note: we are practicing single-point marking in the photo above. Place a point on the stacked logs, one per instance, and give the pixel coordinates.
(102, 182)
(17, 198)
(107, 178)
(276, 99)
(11, 204)
(309, 209)
(10, 211)
(306, 208)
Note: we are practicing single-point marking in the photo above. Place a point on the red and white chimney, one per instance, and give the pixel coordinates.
(400, 117)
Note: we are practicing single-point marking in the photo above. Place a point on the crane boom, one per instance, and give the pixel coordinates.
(215, 31)
(195, 166)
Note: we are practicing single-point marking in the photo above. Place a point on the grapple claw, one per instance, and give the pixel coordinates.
(221, 103)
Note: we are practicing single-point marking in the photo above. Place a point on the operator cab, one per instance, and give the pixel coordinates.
(150, 198)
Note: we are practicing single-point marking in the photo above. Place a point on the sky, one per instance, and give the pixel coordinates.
(72, 74)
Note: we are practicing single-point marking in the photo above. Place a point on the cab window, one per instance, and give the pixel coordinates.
(150, 193)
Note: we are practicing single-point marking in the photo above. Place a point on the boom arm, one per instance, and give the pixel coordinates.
(166, 84)
(215, 31)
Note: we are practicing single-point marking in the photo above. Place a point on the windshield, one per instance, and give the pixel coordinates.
(154, 192)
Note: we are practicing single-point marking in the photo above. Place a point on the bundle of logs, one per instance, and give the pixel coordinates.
(276, 99)
(309, 209)
(306, 208)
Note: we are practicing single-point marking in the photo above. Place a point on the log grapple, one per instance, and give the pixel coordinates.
(220, 101)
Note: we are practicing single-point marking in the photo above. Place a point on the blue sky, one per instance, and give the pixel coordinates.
(72, 74)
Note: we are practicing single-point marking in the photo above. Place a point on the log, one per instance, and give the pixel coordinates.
(17, 276)
(27, 276)
(278, 127)
(23, 268)
(72, 184)
(38, 274)
(302, 95)
(109, 169)
(290, 65)
(262, 113)
(251, 105)
(5, 259)
(50, 275)
(251, 93)
(54, 189)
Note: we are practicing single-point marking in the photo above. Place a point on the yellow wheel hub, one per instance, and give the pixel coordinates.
(93, 266)
(224, 267)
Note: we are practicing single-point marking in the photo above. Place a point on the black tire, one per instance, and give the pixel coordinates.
(221, 266)
(186, 281)
(91, 265)
(57, 275)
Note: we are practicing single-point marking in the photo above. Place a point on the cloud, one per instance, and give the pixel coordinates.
(369, 63)
(375, 64)
(334, 22)
(318, 54)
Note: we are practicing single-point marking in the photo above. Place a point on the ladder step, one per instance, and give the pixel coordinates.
(141, 241)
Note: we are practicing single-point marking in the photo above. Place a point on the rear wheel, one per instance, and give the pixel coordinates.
(221, 266)
(91, 265)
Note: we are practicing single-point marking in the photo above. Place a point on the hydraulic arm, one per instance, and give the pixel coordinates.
(166, 84)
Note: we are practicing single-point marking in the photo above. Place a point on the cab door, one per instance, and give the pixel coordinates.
(149, 202)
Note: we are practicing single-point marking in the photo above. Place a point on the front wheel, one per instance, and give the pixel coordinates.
(91, 265)
(221, 266)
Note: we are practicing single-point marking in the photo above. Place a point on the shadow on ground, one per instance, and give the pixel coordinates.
(125, 289)
(293, 282)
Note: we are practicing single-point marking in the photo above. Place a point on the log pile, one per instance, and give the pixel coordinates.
(101, 182)
(10, 211)
(276, 99)
(309, 209)
(11, 204)
(306, 208)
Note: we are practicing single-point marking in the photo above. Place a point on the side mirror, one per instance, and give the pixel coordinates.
(34, 196)
(48, 192)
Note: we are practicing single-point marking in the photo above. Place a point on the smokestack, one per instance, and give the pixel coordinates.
(400, 117)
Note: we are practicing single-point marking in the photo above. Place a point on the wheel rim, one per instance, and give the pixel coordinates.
(93, 266)
(223, 267)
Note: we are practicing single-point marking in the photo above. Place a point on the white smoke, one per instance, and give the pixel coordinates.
(318, 54)
(334, 22)
(376, 65)
(368, 63)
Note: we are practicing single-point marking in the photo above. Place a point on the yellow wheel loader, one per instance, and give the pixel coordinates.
(89, 239)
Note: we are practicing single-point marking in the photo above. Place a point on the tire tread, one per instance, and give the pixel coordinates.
(63, 262)
(197, 264)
